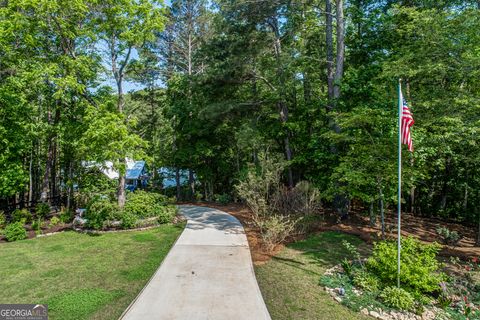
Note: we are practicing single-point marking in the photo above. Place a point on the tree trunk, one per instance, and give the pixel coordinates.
(465, 198)
(70, 185)
(121, 184)
(382, 214)
(45, 195)
(30, 180)
(282, 103)
(191, 183)
(53, 179)
(177, 182)
(329, 47)
(340, 49)
(478, 231)
(372, 215)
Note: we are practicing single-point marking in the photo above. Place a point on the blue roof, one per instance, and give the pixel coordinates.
(136, 171)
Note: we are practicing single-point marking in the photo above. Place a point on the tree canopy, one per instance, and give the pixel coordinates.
(221, 83)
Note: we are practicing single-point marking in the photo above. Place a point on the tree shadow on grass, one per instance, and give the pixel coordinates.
(322, 250)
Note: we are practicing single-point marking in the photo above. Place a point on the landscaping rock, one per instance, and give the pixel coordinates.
(364, 311)
(375, 314)
(428, 315)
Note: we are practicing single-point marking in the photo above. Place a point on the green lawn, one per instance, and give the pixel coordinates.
(290, 281)
(82, 276)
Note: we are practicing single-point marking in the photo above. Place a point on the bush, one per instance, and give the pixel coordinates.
(274, 230)
(420, 269)
(145, 204)
(21, 214)
(128, 221)
(397, 298)
(260, 183)
(303, 199)
(166, 214)
(366, 281)
(37, 224)
(449, 237)
(99, 212)
(66, 216)
(15, 231)
(54, 221)
(198, 196)
(42, 210)
(3, 220)
(222, 198)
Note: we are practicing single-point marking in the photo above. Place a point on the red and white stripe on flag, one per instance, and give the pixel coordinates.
(407, 122)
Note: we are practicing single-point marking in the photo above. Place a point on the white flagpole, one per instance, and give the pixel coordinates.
(399, 205)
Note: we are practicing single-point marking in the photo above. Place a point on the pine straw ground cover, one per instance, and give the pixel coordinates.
(83, 276)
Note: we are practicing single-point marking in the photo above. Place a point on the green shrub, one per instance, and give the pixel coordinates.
(37, 224)
(366, 281)
(274, 230)
(353, 252)
(347, 266)
(444, 301)
(397, 298)
(3, 220)
(99, 212)
(21, 214)
(145, 204)
(66, 216)
(420, 268)
(449, 237)
(222, 198)
(15, 231)
(166, 214)
(128, 221)
(198, 196)
(42, 210)
(54, 221)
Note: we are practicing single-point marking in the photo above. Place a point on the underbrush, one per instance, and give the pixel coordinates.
(279, 212)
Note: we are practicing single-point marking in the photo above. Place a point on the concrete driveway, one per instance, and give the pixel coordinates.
(208, 274)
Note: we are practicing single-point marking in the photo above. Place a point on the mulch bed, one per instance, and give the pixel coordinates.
(357, 224)
(55, 229)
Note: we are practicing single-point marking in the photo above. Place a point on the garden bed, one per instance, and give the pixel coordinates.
(358, 225)
(429, 290)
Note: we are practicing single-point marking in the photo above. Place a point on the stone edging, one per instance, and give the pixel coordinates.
(377, 313)
(177, 219)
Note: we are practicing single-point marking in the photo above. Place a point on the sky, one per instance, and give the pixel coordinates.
(129, 86)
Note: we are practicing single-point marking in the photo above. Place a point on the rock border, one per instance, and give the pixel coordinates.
(337, 294)
(176, 220)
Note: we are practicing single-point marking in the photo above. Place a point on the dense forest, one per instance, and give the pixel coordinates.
(223, 84)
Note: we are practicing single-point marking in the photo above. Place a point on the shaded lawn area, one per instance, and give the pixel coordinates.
(290, 281)
(81, 276)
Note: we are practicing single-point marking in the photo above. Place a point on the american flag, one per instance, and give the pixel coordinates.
(407, 122)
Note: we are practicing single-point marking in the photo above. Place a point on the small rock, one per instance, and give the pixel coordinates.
(375, 314)
(364, 311)
(428, 315)
(338, 299)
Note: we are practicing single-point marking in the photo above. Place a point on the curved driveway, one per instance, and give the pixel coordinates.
(208, 274)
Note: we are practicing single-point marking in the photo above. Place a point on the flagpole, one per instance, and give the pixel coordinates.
(399, 205)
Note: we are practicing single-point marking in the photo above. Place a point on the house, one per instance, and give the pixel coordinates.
(136, 176)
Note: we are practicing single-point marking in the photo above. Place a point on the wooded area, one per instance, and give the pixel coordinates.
(228, 83)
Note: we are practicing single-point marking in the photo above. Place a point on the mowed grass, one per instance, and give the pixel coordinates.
(290, 281)
(81, 276)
